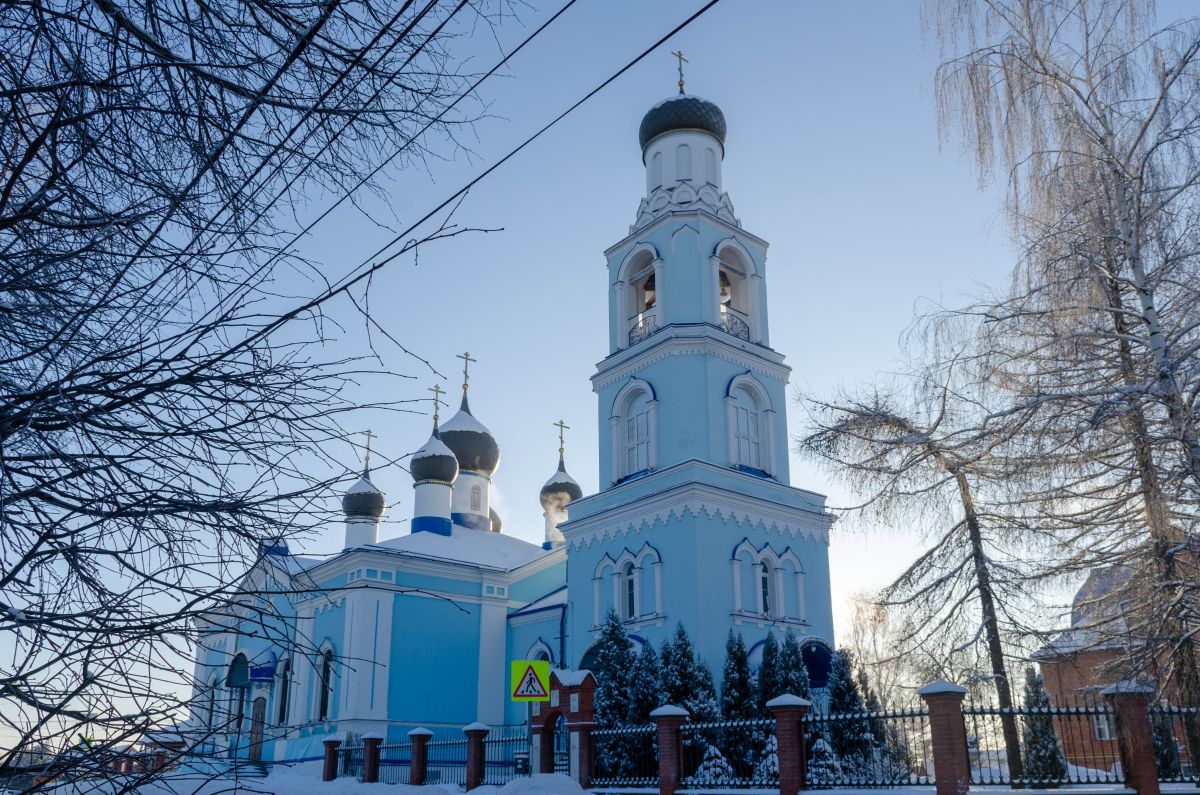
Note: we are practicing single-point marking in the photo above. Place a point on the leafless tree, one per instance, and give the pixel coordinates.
(165, 403)
(1092, 116)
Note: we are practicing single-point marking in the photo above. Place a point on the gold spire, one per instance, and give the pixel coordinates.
(436, 389)
(679, 54)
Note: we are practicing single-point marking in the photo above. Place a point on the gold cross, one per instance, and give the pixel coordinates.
(679, 54)
(466, 357)
(562, 426)
(436, 389)
(367, 459)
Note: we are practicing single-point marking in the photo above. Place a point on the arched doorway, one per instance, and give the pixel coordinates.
(258, 718)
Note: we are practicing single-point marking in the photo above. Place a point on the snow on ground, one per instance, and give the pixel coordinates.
(306, 780)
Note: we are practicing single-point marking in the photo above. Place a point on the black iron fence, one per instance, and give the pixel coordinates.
(1169, 726)
(1056, 745)
(888, 748)
(626, 756)
(395, 763)
(730, 754)
(505, 754)
(350, 761)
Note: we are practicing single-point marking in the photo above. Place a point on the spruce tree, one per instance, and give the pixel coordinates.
(793, 673)
(615, 665)
(768, 685)
(646, 686)
(1044, 762)
(850, 737)
(678, 668)
(738, 703)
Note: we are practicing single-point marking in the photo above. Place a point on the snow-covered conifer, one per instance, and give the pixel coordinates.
(1166, 750)
(850, 736)
(767, 769)
(738, 703)
(713, 771)
(1044, 762)
(793, 673)
(614, 700)
(647, 695)
(768, 683)
(824, 768)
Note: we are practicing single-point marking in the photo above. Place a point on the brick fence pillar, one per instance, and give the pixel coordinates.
(670, 751)
(330, 771)
(371, 743)
(475, 757)
(1131, 705)
(789, 741)
(420, 755)
(948, 736)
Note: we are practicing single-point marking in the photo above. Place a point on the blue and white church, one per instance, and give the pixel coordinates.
(694, 521)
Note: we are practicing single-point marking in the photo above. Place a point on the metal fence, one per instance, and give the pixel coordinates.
(505, 754)
(350, 761)
(1169, 726)
(395, 763)
(1057, 745)
(890, 748)
(447, 760)
(626, 756)
(730, 754)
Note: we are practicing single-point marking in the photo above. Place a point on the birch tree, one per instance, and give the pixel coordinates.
(1090, 117)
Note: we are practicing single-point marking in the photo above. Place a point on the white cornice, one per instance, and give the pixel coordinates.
(641, 233)
(681, 340)
(699, 500)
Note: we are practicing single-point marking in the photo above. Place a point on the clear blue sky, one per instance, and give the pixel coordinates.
(832, 155)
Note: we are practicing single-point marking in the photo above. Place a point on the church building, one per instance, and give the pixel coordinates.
(694, 522)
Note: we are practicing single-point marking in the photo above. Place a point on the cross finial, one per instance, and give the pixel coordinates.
(367, 458)
(436, 389)
(679, 54)
(466, 357)
(562, 426)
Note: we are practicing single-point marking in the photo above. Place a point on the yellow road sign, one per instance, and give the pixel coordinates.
(530, 680)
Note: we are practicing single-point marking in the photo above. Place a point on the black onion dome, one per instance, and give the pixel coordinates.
(363, 500)
(472, 443)
(435, 461)
(559, 490)
(682, 112)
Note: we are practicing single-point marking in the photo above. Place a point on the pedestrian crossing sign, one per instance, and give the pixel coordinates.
(530, 680)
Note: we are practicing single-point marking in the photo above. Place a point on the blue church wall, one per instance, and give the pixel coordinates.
(434, 656)
(537, 585)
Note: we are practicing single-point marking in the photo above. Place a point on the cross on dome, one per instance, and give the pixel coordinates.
(466, 357)
(367, 457)
(679, 54)
(436, 389)
(562, 426)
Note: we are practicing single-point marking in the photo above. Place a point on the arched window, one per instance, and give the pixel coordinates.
(683, 162)
(710, 165)
(637, 435)
(736, 298)
(476, 498)
(764, 587)
(238, 681)
(656, 171)
(630, 597)
(746, 430)
(285, 683)
(210, 709)
(325, 682)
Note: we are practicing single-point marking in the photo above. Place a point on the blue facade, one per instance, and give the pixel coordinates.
(695, 522)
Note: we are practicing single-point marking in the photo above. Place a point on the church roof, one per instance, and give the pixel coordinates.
(682, 112)
(464, 545)
(556, 598)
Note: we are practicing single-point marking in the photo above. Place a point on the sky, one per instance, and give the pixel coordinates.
(833, 156)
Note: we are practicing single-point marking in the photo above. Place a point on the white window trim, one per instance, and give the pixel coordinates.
(766, 421)
(618, 425)
(614, 572)
(778, 584)
(326, 646)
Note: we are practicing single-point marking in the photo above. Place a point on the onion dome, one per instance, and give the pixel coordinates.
(559, 490)
(363, 500)
(435, 461)
(495, 517)
(472, 443)
(682, 112)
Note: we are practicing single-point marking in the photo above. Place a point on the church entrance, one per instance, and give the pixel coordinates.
(562, 746)
(258, 718)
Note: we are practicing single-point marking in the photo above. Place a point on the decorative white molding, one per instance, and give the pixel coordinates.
(695, 340)
(699, 500)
